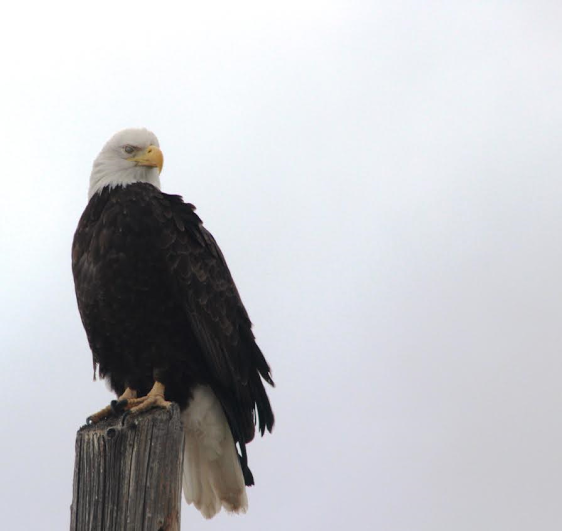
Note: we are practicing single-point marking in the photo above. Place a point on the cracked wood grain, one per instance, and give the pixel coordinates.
(128, 478)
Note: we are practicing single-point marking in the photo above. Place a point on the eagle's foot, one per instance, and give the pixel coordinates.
(155, 398)
(99, 415)
(115, 408)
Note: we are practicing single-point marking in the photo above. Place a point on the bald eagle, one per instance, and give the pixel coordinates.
(165, 322)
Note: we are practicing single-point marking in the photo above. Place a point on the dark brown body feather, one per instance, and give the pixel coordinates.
(158, 303)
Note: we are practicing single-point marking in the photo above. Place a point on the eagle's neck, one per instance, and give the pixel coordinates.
(105, 174)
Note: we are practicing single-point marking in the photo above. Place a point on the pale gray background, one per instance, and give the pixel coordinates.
(384, 180)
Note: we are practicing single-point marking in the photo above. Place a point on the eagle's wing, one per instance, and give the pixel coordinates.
(216, 316)
(86, 251)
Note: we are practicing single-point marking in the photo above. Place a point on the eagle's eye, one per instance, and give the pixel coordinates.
(129, 149)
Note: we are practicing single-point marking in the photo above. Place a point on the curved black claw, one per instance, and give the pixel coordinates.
(118, 406)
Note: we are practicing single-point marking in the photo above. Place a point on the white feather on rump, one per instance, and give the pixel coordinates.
(212, 476)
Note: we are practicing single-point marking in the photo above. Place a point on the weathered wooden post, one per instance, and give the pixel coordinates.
(128, 478)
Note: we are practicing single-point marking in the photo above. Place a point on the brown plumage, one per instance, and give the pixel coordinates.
(158, 303)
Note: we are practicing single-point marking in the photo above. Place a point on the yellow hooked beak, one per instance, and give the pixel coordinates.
(151, 156)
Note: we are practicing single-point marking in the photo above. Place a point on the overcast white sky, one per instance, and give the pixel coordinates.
(384, 180)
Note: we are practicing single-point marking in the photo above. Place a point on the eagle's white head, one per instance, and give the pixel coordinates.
(129, 156)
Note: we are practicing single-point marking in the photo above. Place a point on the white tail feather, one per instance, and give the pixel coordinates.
(212, 476)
